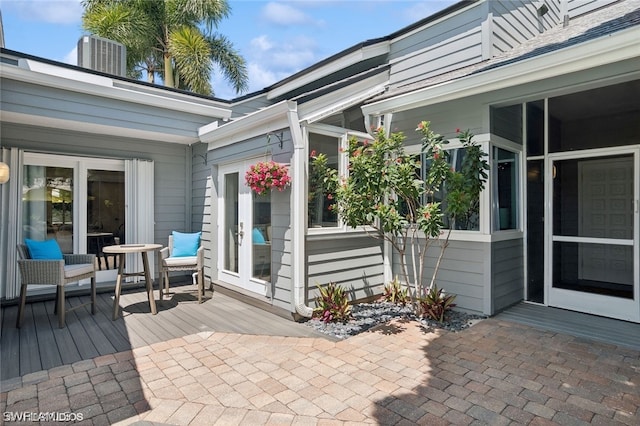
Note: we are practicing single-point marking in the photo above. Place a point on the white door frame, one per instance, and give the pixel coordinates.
(243, 277)
(614, 307)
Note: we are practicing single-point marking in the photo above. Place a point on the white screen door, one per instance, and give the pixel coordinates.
(594, 233)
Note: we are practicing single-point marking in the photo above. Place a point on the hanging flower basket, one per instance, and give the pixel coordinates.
(266, 175)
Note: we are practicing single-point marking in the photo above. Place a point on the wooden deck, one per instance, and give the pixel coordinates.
(41, 345)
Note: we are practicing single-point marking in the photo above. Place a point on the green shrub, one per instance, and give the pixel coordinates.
(333, 304)
(435, 304)
(395, 293)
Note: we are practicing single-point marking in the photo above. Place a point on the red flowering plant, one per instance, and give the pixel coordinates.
(266, 175)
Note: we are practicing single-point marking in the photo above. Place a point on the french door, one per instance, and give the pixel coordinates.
(594, 256)
(80, 202)
(244, 222)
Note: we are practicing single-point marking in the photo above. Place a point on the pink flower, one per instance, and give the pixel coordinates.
(313, 153)
(458, 130)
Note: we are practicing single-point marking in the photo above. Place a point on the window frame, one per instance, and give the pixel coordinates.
(484, 210)
(342, 136)
(514, 148)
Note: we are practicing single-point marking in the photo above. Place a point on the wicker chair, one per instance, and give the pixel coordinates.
(73, 268)
(168, 264)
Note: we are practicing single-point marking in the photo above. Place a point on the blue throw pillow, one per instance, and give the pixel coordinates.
(257, 236)
(44, 250)
(185, 244)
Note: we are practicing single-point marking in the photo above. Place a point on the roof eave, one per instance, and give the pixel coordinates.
(40, 74)
(251, 125)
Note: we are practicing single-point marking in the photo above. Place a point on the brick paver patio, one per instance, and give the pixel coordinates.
(494, 373)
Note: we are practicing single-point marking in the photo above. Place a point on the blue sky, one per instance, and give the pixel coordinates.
(277, 38)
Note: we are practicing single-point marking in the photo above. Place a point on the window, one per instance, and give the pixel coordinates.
(505, 188)
(470, 222)
(320, 213)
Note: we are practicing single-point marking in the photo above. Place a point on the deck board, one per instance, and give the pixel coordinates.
(40, 344)
(46, 340)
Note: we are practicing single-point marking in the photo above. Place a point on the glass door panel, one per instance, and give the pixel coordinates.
(535, 231)
(231, 227)
(261, 236)
(47, 205)
(594, 235)
(105, 214)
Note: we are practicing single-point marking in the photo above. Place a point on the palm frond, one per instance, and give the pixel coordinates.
(192, 57)
(232, 64)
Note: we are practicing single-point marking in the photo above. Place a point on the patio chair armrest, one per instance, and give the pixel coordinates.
(164, 253)
(75, 259)
(200, 255)
(42, 271)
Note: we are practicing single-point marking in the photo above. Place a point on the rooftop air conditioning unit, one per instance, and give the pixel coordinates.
(101, 54)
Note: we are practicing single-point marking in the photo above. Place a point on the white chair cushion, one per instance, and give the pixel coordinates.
(181, 261)
(71, 271)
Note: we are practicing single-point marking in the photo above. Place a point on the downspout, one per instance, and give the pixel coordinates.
(298, 252)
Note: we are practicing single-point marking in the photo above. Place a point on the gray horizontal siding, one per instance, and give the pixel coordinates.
(507, 274)
(201, 205)
(251, 148)
(439, 33)
(55, 103)
(281, 282)
(457, 52)
(355, 263)
(438, 48)
(462, 272)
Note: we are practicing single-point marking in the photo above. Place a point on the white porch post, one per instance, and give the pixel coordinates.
(298, 216)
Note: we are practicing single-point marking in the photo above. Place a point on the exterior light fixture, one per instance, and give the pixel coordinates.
(4, 172)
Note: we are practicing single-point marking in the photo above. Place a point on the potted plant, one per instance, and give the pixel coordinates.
(266, 175)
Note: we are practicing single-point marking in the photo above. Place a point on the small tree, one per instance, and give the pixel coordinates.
(384, 191)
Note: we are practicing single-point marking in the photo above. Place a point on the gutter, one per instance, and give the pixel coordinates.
(298, 252)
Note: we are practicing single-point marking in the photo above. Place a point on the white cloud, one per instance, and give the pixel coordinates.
(270, 61)
(260, 77)
(71, 58)
(261, 43)
(49, 11)
(286, 15)
(287, 56)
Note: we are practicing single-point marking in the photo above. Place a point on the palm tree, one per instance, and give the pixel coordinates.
(174, 39)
